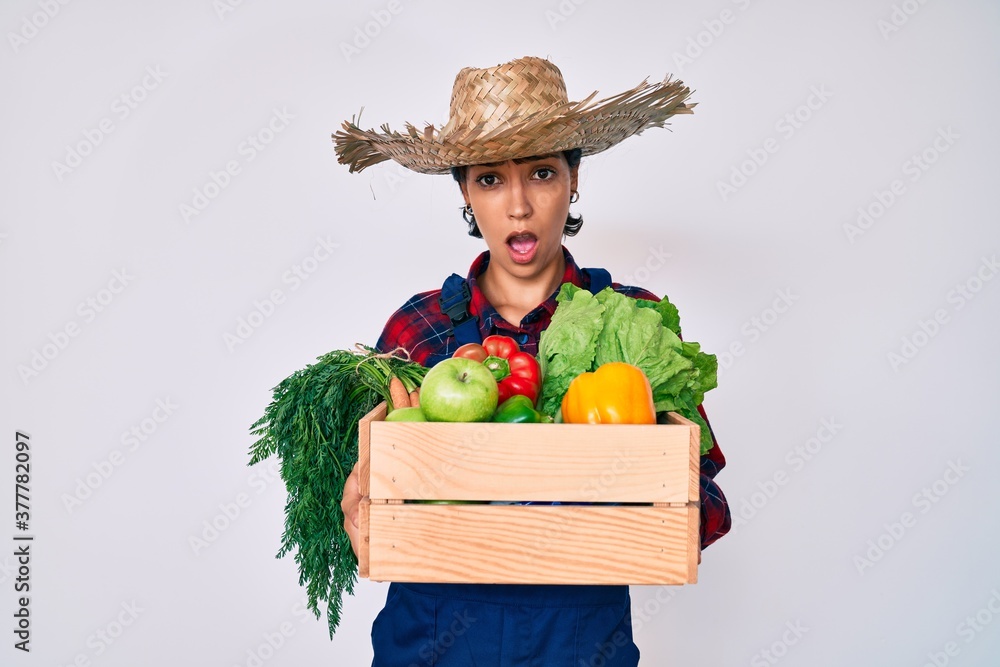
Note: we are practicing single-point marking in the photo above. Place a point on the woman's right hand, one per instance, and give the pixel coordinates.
(349, 505)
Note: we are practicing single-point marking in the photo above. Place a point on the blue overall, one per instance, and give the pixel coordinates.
(502, 625)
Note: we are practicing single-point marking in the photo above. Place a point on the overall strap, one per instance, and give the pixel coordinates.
(454, 301)
(599, 279)
(455, 298)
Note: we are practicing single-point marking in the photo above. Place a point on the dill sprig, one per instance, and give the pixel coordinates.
(312, 426)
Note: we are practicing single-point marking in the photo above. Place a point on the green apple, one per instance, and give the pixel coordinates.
(458, 390)
(406, 415)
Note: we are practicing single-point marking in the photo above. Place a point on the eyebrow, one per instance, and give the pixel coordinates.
(519, 160)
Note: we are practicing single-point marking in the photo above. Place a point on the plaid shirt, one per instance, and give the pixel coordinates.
(423, 330)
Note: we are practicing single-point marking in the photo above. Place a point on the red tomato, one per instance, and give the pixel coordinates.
(473, 351)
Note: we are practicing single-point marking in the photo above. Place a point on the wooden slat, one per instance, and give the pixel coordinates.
(545, 462)
(364, 527)
(531, 544)
(694, 479)
(364, 443)
(694, 541)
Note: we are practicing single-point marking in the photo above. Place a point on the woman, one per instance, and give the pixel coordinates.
(513, 142)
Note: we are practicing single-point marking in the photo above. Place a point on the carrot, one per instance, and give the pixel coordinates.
(397, 392)
(415, 398)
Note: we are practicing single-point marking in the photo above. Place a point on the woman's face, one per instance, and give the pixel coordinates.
(521, 208)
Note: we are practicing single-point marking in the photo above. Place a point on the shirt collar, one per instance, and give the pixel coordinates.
(480, 307)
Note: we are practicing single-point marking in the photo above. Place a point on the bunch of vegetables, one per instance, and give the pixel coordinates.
(312, 426)
(492, 381)
(516, 372)
(518, 376)
(589, 332)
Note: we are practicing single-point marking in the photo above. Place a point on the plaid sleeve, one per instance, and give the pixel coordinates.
(418, 326)
(715, 516)
(716, 519)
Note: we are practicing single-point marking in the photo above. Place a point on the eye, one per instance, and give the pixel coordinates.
(487, 180)
(545, 173)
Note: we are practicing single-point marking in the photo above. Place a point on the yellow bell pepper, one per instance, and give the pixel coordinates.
(616, 393)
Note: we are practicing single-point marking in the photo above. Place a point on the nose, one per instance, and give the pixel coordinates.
(518, 204)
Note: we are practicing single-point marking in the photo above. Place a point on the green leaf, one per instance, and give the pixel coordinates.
(668, 312)
(567, 346)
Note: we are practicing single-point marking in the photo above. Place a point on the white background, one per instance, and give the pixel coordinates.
(884, 81)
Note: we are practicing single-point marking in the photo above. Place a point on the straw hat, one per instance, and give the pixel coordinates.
(516, 109)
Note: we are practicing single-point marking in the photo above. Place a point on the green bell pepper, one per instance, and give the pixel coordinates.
(517, 409)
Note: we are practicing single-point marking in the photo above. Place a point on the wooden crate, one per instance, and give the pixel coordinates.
(634, 489)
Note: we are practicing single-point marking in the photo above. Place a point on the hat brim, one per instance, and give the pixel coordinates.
(590, 126)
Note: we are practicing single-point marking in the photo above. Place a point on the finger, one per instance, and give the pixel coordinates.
(354, 535)
(352, 492)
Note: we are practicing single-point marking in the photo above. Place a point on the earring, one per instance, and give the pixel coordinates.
(574, 197)
(468, 215)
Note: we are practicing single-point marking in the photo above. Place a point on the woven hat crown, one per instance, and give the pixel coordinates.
(515, 109)
(484, 100)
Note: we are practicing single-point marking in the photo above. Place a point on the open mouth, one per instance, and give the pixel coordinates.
(522, 246)
(521, 241)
